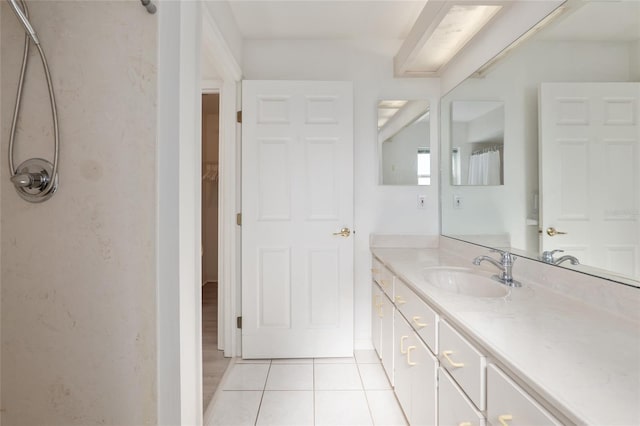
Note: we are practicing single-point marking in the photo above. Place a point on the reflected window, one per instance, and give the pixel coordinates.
(424, 166)
(456, 177)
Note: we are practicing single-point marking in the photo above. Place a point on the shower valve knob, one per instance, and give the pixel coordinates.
(30, 180)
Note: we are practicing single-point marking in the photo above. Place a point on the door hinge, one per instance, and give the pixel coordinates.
(239, 116)
(239, 219)
(239, 322)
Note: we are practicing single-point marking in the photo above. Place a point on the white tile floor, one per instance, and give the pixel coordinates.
(322, 392)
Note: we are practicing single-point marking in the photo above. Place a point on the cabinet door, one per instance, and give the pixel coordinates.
(415, 375)
(423, 369)
(376, 318)
(509, 404)
(402, 373)
(386, 336)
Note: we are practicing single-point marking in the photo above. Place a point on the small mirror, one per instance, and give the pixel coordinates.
(477, 143)
(403, 142)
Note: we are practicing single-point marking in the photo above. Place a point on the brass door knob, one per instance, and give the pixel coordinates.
(551, 231)
(344, 232)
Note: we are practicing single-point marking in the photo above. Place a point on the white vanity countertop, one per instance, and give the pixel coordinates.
(584, 360)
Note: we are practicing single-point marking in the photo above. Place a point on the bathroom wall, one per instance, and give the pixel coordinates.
(78, 271)
(378, 209)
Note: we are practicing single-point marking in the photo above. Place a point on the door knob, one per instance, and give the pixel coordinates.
(344, 232)
(551, 231)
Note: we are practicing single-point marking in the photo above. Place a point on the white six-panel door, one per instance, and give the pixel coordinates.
(297, 191)
(590, 175)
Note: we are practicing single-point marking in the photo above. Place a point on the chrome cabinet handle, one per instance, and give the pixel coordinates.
(454, 364)
(344, 232)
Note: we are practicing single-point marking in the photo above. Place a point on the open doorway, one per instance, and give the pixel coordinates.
(213, 361)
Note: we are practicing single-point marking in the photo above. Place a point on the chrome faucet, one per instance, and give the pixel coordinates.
(547, 257)
(505, 265)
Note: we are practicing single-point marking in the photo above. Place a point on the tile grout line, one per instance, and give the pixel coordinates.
(313, 383)
(264, 387)
(366, 397)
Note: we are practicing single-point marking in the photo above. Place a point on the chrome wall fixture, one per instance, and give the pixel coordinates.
(36, 179)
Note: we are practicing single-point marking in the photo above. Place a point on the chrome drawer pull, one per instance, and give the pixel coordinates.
(454, 364)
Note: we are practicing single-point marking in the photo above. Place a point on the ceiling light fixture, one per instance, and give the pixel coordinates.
(441, 31)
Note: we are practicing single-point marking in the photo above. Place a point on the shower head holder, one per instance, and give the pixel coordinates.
(31, 179)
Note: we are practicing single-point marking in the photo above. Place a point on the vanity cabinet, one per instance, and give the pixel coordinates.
(509, 404)
(456, 387)
(454, 407)
(383, 276)
(376, 318)
(382, 329)
(415, 375)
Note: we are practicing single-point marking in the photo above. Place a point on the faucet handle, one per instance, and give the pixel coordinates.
(547, 256)
(506, 257)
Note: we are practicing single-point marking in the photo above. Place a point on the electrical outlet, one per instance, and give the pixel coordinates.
(422, 201)
(457, 202)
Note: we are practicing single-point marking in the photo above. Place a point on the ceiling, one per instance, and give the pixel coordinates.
(337, 20)
(617, 21)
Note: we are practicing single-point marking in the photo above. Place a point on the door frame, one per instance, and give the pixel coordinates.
(228, 87)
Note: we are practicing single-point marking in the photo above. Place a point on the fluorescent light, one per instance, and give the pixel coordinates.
(456, 28)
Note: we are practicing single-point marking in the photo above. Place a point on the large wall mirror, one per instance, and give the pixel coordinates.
(404, 142)
(571, 145)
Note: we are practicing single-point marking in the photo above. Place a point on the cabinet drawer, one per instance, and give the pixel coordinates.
(454, 408)
(416, 376)
(509, 404)
(383, 277)
(420, 316)
(464, 362)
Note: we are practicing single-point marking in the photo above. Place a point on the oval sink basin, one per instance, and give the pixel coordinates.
(464, 281)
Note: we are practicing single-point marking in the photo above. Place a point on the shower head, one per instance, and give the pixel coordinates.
(22, 17)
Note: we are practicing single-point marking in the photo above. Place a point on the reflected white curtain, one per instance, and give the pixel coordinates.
(484, 168)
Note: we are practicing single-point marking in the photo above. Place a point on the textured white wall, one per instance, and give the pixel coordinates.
(378, 209)
(78, 275)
